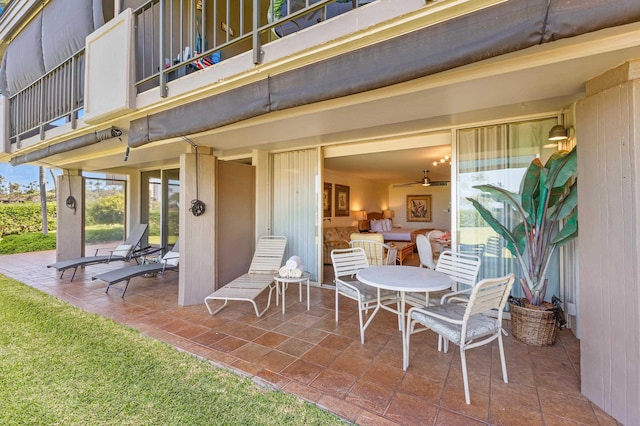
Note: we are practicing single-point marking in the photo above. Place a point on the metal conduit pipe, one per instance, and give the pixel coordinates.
(71, 144)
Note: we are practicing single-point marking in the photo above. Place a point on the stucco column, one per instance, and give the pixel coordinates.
(70, 212)
(607, 124)
(197, 233)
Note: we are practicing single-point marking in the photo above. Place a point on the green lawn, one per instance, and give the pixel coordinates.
(61, 365)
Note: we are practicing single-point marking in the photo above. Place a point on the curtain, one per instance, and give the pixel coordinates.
(296, 204)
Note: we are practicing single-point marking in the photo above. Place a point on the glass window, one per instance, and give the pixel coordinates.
(105, 201)
(160, 207)
(497, 155)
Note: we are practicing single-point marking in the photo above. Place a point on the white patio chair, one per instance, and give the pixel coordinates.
(464, 324)
(425, 253)
(377, 252)
(461, 268)
(433, 238)
(266, 262)
(346, 263)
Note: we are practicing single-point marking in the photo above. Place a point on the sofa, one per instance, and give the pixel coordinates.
(336, 237)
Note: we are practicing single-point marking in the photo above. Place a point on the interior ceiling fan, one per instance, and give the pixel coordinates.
(425, 181)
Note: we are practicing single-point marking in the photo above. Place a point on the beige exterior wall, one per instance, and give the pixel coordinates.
(70, 235)
(197, 233)
(609, 262)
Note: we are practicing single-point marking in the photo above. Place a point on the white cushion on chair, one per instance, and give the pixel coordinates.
(171, 258)
(479, 325)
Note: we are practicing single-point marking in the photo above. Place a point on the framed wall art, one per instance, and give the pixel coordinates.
(418, 208)
(326, 200)
(342, 200)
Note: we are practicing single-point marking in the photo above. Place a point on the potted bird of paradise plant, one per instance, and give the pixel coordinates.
(548, 197)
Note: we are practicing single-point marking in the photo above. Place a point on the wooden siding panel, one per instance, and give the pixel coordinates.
(608, 243)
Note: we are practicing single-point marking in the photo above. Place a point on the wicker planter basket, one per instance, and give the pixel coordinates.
(534, 326)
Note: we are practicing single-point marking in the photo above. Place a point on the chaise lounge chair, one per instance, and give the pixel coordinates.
(169, 261)
(126, 251)
(265, 264)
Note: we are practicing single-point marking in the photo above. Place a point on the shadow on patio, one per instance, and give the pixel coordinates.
(308, 354)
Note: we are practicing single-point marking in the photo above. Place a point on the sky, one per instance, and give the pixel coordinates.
(24, 174)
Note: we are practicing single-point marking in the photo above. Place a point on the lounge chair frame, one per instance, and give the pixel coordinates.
(265, 264)
(127, 273)
(134, 239)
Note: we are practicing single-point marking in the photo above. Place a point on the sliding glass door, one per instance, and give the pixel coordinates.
(160, 194)
(497, 155)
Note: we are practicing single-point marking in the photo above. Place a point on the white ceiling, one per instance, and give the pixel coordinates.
(395, 167)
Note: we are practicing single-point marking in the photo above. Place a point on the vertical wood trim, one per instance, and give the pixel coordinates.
(608, 249)
(197, 234)
(70, 243)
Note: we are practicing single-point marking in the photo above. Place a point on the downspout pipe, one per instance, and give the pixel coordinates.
(69, 145)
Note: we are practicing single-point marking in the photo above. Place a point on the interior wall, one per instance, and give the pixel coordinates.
(364, 194)
(440, 206)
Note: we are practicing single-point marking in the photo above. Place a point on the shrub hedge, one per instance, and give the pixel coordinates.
(19, 218)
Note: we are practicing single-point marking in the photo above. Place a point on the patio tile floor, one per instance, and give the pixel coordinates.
(308, 354)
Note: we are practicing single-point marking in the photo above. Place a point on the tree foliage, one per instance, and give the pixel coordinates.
(106, 210)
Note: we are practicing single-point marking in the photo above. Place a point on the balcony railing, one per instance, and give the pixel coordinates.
(174, 38)
(54, 99)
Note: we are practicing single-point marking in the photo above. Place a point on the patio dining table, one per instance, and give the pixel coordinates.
(402, 279)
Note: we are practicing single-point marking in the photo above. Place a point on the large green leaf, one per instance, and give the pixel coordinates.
(568, 204)
(529, 187)
(542, 205)
(492, 221)
(520, 238)
(562, 166)
(501, 195)
(568, 232)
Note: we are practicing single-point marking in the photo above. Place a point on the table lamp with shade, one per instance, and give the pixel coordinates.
(361, 217)
(389, 214)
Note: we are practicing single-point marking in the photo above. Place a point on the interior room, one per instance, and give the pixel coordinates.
(398, 193)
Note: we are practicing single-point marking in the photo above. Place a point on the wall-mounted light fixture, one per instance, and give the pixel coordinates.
(558, 133)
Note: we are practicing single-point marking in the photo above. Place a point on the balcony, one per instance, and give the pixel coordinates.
(163, 41)
(171, 39)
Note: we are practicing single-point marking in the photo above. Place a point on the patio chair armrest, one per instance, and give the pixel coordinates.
(455, 295)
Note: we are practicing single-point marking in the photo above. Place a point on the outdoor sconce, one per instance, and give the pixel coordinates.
(558, 133)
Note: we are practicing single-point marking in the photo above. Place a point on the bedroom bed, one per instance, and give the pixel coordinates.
(394, 234)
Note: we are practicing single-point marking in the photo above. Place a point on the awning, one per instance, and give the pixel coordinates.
(506, 27)
(69, 145)
(52, 37)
